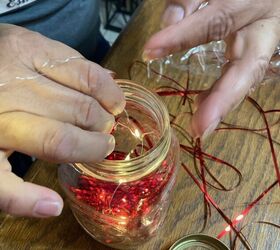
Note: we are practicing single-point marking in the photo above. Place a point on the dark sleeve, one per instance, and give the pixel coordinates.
(69, 21)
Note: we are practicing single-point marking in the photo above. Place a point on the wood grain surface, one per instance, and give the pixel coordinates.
(249, 152)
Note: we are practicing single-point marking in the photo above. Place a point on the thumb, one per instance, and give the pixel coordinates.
(25, 199)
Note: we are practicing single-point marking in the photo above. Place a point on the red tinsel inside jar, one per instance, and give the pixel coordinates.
(126, 199)
(130, 200)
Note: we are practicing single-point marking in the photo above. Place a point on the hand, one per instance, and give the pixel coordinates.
(251, 29)
(51, 107)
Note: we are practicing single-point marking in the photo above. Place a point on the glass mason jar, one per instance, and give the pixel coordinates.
(123, 200)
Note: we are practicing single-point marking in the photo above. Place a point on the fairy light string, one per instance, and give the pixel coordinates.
(38, 73)
(132, 207)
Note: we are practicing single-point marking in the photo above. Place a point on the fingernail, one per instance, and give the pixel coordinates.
(111, 145)
(210, 129)
(46, 208)
(173, 14)
(109, 124)
(119, 109)
(111, 73)
(150, 54)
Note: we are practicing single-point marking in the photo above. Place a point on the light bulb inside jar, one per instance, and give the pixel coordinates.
(135, 131)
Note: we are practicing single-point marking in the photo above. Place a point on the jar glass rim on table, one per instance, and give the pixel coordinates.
(123, 200)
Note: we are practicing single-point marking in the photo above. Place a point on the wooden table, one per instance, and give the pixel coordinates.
(249, 152)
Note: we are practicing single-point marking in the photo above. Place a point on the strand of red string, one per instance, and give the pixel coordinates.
(197, 152)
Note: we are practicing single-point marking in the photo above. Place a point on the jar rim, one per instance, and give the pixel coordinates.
(164, 112)
(159, 150)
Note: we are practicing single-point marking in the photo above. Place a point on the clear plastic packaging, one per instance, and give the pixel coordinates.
(210, 58)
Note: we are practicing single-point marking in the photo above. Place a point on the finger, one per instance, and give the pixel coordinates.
(52, 140)
(256, 44)
(63, 65)
(4, 163)
(58, 102)
(214, 22)
(22, 198)
(176, 10)
(26, 199)
(4, 154)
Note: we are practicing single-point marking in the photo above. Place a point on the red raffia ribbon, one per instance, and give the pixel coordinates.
(196, 150)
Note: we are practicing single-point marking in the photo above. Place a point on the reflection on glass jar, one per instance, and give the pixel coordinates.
(123, 200)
